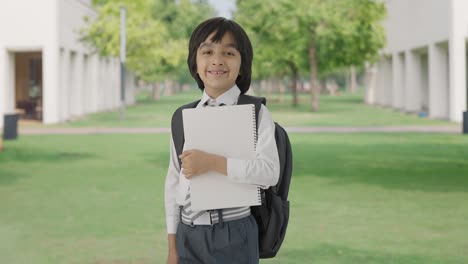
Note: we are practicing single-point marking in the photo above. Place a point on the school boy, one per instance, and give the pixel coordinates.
(220, 60)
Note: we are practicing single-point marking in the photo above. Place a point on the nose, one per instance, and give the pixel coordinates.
(217, 59)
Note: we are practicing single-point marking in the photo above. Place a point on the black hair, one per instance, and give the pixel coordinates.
(221, 25)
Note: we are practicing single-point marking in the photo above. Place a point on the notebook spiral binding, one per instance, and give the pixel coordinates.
(260, 195)
(254, 127)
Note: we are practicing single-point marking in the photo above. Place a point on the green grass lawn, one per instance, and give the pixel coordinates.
(344, 110)
(360, 198)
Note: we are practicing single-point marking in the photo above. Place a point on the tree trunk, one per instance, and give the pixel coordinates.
(353, 80)
(281, 90)
(177, 87)
(269, 86)
(314, 88)
(293, 82)
(156, 91)
(348, 81)
(274, 84)
(254, 90)
(168, 87)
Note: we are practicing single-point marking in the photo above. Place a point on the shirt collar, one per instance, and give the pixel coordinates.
(229, 97)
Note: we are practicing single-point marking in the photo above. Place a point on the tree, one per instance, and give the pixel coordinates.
(328, 34)
(274, 33)
(157, 34)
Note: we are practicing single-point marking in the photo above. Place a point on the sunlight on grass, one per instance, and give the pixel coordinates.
(360, 198)
(343, 110)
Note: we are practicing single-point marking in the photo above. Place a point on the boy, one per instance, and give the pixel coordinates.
(220, 60)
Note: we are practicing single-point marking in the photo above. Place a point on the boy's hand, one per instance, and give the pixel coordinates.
(196, 162)
(172, 258)
(172, 255)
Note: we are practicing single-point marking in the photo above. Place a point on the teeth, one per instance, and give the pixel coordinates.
(217, 72)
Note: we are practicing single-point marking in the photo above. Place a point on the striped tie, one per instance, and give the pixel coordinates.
(186, 210)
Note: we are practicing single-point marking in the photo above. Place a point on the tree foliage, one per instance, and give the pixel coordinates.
(314, 36)
(157, 33)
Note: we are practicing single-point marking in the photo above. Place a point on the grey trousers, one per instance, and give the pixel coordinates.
(231, 242)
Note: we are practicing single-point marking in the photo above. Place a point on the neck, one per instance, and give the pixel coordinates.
(214, 93)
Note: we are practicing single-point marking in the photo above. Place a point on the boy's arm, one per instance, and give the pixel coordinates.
(264, 169)
(170, 192)
(172, 212)
(172, 254)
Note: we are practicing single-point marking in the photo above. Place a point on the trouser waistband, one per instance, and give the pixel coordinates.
(213, 217)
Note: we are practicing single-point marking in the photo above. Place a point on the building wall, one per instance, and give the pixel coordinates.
(76, 81)
(415, 23)
(17, 35)
(427, 40)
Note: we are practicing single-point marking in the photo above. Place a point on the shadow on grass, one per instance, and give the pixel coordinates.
(15, 156)
(159, 159)
(422, 167)
(8, 176)
(327, 253)
(37, 155)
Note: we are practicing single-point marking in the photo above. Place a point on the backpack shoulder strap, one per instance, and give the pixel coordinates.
(257, 101)
(177, 128)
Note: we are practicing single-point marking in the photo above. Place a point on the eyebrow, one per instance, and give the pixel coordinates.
(207, 44)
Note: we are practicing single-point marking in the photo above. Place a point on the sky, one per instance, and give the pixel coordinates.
(224, 7)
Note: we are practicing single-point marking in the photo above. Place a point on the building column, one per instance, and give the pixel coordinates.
(457, 60)
(72, 88)
(7, 83)
(379, 89)
(424, 81)
(370, 83)
(438, 82)
(398, 81)
(51, 90)
(101, 88)
(86, 84)
(413, 86)
(3, 82)
(78, 85)
(116, 82)
(388, 82)
(94, 81)
(64, 107)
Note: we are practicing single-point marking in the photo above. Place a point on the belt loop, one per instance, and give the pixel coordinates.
(180, 217)
(180, 213)
(220, 217)
(211, 217)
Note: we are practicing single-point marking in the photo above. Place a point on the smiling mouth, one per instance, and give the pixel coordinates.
(217, 73)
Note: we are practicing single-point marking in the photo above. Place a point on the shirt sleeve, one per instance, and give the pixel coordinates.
(172, 182)
(264, 169)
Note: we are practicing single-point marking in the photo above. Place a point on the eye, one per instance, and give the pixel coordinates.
(230, 53)
(206, 52)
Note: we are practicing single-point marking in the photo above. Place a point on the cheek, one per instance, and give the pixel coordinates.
(238, 69)
(198, 64)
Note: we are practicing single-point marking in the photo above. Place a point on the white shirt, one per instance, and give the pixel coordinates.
(262, 171)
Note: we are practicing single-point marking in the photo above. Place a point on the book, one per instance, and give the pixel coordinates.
(229, 131)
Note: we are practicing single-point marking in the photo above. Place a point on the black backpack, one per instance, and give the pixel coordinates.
(273, 215)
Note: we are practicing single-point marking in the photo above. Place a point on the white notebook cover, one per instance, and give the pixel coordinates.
(229, 131)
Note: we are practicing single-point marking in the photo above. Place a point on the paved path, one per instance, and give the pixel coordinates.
(143, 130)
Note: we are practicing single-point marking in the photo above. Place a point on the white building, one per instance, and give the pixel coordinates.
(45, 72)
(423, 67)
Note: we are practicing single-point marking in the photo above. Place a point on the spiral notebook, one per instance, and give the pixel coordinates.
(229, 131)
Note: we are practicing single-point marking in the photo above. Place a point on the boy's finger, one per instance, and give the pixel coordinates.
(185, 153)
